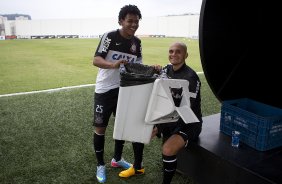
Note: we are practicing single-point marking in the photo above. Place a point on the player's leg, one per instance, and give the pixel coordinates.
(103, 109)
(137, 168)
(170, 148)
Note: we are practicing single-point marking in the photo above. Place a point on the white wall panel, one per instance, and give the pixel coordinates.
(170, 26)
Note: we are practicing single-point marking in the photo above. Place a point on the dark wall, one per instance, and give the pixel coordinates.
(239, 52)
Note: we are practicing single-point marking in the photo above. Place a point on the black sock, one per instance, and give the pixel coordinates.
(169, 168)
(99, 142)
(138, 154)
(118, 149)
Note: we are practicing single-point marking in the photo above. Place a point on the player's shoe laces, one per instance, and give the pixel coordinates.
(121, 163)
(101, 173)
(131, 172)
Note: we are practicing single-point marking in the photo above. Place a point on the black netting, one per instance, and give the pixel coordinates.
(136, 74)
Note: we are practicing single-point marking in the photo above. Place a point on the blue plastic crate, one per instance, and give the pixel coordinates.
(260, 125)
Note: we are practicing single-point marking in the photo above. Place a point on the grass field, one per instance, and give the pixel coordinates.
(28, 65)
(47, 137)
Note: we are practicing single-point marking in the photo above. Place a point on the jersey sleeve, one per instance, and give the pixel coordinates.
(104, 45)
(139, 53)
(195, 87)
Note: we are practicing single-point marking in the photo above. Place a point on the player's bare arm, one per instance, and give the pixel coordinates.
(102, 63)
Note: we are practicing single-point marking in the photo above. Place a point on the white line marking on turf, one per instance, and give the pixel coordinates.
(47, 90)
(55, 89)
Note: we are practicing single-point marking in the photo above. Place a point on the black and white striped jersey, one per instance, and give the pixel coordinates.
(114, 47)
